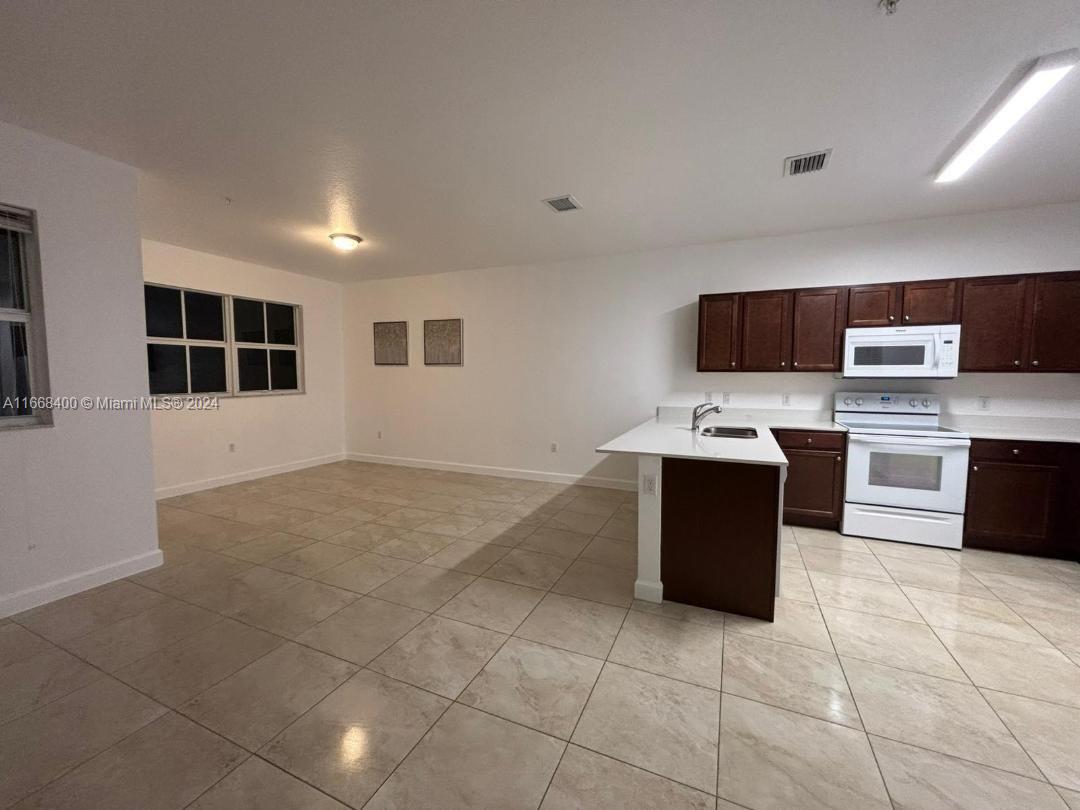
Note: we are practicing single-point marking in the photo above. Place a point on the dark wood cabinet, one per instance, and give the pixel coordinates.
(818, 334)
(719, 318)
(874, 305)
(814, 490)
(1020, 498)
(766, 331)
(1013, 323)
(1055, 330)
(994, 323)
(929, 302)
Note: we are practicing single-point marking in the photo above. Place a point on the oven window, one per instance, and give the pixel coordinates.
(905, 471)
(890, 355)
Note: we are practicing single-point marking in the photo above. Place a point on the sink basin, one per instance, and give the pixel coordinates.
(717, 431)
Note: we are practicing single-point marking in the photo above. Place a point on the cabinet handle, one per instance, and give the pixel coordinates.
(1034, 362)
(839, 459)
(907, 317)
(783, 362)
(1016, 452)
(1016, 362)
(795, 363)
(733, 364)
(974, 469)
(809, 441)
(891, 318)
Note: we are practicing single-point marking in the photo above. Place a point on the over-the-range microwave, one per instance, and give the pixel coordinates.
(902, 351)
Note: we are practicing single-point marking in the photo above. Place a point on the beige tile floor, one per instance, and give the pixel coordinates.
(357, 635)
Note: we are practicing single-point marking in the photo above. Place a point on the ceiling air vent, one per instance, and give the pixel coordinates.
(805, 164)
(562, 204)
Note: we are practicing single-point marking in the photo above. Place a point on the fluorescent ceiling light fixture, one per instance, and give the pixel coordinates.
(1039, 81)
(345, 241)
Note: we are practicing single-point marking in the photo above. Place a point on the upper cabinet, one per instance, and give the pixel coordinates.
(914, 303)
(719, 318)
(994, 323)
(929, 302)
(1055, 332)
(874, 305)
(818, 335)
(1009, 323)
(766, 331)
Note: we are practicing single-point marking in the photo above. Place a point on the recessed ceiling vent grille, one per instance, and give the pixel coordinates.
(807, 164)
(563, 204)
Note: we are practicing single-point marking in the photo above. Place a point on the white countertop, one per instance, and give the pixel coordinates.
(1017, 428)
(655, 438)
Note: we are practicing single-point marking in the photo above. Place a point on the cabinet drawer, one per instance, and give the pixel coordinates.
(1016, 452)
(810, 439)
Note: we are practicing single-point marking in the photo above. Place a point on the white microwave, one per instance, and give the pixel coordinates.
(902, 351)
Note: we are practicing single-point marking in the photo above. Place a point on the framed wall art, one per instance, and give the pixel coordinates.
(443, 342)
(391, 343)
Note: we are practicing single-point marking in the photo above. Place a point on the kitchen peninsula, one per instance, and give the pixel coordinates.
(709, 514)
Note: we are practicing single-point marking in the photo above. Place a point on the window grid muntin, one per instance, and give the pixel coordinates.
(232, 372)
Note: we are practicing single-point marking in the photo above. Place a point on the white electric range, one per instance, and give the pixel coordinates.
(906, 474)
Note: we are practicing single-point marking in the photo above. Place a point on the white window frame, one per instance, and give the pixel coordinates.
(24, 221)
(231, 345)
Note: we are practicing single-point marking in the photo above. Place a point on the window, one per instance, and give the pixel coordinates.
(206, 343)
(23, 368)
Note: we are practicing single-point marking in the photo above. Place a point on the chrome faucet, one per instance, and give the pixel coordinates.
(700, 412)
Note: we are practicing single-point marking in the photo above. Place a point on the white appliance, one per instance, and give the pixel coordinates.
(902, 351)
(906, 475)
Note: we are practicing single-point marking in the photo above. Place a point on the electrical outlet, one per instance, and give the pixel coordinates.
(726, 398)
(554, 447)
(785, 400)
(648, 484)
(378, 435)
(232, 447)
(984, 403)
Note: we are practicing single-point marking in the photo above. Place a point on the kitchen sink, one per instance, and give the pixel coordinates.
(720, 432)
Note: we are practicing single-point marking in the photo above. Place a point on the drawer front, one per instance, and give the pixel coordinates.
(810, 439)
(1016, 452)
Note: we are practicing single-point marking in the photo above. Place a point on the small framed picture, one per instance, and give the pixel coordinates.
(391, 343)
(443, 342)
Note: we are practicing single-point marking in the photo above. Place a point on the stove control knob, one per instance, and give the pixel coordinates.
(912, 403)
(926, 403)
(858, 402)
(847, 400)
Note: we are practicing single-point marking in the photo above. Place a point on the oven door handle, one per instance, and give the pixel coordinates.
(920, 441)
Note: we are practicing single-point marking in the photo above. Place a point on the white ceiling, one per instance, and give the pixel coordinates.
(434, 127)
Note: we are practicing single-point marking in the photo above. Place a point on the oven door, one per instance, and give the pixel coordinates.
(907, 471)
(912, 354)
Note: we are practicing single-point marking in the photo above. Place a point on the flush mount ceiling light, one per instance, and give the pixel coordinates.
(345, 241)
(1040, 80)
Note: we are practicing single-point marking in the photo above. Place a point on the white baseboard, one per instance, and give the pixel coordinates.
(17, 602)
(648, 591)
(246, 475)
(502, 472)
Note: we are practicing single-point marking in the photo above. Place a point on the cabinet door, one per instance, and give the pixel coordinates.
(766, 331)
(929, 302)
(718, 332)
(1055, 332)
(814, 491)
(820, 315)
(994, 312)
(1010, 507)
(874, 305)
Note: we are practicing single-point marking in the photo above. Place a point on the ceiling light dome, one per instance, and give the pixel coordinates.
(345, 241)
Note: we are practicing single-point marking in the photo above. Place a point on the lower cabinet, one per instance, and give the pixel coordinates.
(814, 491)
(1021, 498)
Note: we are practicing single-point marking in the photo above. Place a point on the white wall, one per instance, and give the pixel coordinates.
(576, 352)
(271, 433)
(76, 502)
